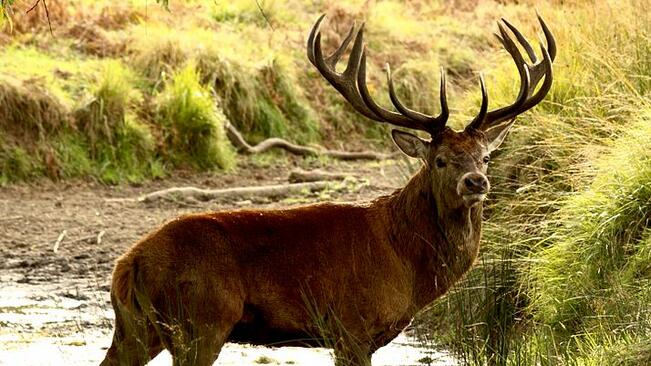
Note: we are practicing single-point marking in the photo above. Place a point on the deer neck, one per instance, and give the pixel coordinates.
(439, 243)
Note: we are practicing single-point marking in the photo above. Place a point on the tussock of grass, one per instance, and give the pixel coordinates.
(28, 111)
(193, 124)
(258, 91)
(598, 263)
(16, 164)
(63, 74)
(123, 147)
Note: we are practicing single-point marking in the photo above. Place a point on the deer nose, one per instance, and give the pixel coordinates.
(476, 183)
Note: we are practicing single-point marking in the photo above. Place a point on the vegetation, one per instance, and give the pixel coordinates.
(126, 93)
(563, 277)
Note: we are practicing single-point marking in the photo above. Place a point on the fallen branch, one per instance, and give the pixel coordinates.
(232, 193)
(244, 147)
(301, 176)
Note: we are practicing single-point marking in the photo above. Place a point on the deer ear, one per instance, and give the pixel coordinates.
(409, 144)
(495, 135)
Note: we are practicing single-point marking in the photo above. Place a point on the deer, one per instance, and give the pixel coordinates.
(350, 276)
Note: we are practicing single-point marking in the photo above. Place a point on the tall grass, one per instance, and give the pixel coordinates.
(557, 254)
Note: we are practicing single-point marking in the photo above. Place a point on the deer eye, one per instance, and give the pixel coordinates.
(487, 159)
(440, 163)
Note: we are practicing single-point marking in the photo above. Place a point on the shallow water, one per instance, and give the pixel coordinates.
(61, 324)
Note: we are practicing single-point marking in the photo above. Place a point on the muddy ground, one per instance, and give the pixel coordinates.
(54, 303)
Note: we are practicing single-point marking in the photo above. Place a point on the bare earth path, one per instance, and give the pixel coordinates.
(54, 303)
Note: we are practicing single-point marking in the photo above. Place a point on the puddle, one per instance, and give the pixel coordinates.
(62, 324)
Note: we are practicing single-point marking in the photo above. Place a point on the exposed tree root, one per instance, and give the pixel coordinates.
(244, 147)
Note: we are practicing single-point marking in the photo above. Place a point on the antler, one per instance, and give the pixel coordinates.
(530, 76)
(351, 83)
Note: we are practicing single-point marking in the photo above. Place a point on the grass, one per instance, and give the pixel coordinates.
(554, 284)
(252, 60)
(598, 265)
(192, 123)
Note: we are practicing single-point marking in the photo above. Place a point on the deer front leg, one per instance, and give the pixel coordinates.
(352, 354)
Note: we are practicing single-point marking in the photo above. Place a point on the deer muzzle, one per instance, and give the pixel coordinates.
(473, 188)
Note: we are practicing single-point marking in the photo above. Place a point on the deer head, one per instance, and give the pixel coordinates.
(456, 161)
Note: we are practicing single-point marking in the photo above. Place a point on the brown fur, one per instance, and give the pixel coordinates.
(347, 276)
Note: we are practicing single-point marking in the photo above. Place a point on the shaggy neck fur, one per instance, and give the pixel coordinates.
(439, 243)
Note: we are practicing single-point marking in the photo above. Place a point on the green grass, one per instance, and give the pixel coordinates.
(192, 123)
(555, 279)
(598, 262)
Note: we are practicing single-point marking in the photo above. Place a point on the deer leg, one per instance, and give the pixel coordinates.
(135, 340)
(203, 323)
(352, 355)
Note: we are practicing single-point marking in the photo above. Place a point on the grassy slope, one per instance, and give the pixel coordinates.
(564, 275)
(256, 67)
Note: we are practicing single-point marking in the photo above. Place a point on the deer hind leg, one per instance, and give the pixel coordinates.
(202, 324)
(135, 340)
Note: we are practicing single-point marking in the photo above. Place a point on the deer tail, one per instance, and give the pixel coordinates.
(125, 282)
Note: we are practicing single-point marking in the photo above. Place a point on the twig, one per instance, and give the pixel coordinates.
(97, 238)
(59, 240)
(47, 13)
(301, 176)
(33, 6)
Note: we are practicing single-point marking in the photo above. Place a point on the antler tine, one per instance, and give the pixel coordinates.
(551, 42)
(523, 41)
(310, 39)
(434, 123)
(481, 116)
(523, 71)
(385, 115)
(538, 70)
(351, 83)
(530, 74)
(334, 58)
(443, 99)
(344, 83)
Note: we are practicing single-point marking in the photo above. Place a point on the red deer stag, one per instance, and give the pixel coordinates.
(360, 271)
